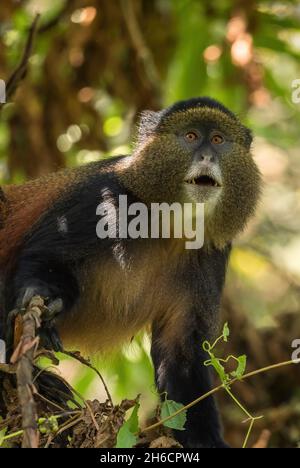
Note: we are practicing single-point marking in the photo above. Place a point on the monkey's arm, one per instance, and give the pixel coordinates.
(46, 277)
(180, 371)
(57, 247)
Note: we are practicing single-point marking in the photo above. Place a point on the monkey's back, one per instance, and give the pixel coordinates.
(21, 206)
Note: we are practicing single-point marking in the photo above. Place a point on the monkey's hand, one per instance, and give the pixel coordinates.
(48, 332)
(53, 307)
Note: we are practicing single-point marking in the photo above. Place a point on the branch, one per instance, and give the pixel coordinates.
(76, 355)
(143, 52)
(54, 21)
(19, 73)
(24, 355)
(216, 389)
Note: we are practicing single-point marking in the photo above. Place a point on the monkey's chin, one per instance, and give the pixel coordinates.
(201, 193)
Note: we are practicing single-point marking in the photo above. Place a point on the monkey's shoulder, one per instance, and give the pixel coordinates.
(47, 204)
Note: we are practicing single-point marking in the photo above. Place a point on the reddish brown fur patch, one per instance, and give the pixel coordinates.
(25, 204)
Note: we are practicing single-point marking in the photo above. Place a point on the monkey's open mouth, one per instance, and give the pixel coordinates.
(203, 181)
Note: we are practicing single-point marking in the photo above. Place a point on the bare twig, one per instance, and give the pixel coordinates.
(19, 73)
(49, 402)
(46, 353)
(217, 389)
(76, 355)
(8, 368)
(92, 416)
(54, 21)
(143, 52)
(24, 355)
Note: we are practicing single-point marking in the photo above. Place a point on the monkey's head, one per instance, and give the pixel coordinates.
(197, 151)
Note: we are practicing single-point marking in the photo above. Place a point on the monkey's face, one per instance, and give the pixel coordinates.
(206, 144)
(199, 155)
(221, 172)
(206, 138)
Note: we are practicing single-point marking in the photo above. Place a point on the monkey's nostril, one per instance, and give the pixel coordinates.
(206, 157)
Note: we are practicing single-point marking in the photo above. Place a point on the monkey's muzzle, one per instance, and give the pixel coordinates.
(203, 181)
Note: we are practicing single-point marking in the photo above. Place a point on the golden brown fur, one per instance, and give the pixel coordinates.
(120, 298)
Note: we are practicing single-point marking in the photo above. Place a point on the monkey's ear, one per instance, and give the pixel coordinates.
(147, 125)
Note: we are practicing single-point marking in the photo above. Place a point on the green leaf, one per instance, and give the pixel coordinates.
(170, 407)
(127, 437)
(2, 435)
(240, 370)
(225, 332)
(219, 369)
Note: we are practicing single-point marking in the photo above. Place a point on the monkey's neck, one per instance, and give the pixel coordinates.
(150, 173)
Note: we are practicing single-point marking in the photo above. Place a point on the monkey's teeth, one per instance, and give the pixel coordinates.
(193, 182)
(216, 184)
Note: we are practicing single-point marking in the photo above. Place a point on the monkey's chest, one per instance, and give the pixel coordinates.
(117, 300)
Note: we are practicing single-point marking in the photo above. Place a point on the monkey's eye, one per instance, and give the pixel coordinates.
(191, 136)
(217, 139)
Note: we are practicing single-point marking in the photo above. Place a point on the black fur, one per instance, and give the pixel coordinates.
(149, 120)
(195, 103)
(183, 375)
(50, 258)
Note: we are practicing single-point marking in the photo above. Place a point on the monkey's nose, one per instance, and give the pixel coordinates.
(206, 157)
